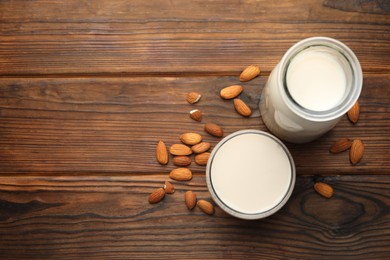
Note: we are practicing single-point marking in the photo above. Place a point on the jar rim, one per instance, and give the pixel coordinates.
(356, 85)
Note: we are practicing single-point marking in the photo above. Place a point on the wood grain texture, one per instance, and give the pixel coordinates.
(376, 6)
(98, 217)
(112, 125)
(88, 88)
(156, 37)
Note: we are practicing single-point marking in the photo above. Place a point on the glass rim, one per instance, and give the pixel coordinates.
(234, 212)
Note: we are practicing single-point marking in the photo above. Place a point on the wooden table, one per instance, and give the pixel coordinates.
(88, 88)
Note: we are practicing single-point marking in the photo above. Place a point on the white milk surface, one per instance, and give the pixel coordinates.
(251, 173)
(316, 80)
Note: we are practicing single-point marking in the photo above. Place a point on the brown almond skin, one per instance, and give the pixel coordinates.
(190, 199)
(354, 113)
(190, 138)
(156, 196)
(201, 147)
(323, 189)
(162, 153)
(193, 97)
(180, 149)
(249, 73)
(231, 91)
(356, 152)
(181, 174)
(341, 145)
(206, 207)
(213, 129)
(182, 160)
(196, 115)
(168, 187)
(202, 158)
(242, 108)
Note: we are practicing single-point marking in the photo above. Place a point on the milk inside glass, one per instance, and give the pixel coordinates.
(250, 174)
(317, 81)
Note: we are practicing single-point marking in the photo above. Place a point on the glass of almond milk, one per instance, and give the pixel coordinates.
(316, 82)
(250, 174)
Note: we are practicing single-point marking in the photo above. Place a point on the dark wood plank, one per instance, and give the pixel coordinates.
(374, 6)
(111, 125)
(163, 37)
(97, 217)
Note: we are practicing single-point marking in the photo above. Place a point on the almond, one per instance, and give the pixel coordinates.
(156, 196)
(242, 108)
(356, 152)
(206, 207)
(196, 114)
(180, 149)
(354, 112)
(190, 199)
(213, 129)
(182, 160)
(168, 187)
(340, 145)
(191, 138)
(193, 97)
(181, 174)
(324, 189)
(249, 73)
(161, 153)
(202, 158)
(231, 92)
(201, 147)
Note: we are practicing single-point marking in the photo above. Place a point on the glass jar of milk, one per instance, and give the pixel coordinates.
(317, 81)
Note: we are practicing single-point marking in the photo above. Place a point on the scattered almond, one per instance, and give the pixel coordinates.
(156, 196)
(196, 114)
(181, 174)
(213, 129)
(191, 138)
(161, 153)
(249, 73)
(354, 112)
(202, 158)
(340, 145)
(242, 108)
(168, 187)
(201, 147)
(182, 160)
(323, 189)
(180, 149)
(190, 199)
(193, 97)
(206, 207)
(231, 91)
(356, 152)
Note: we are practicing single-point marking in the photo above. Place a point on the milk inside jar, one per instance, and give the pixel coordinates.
(316, 82)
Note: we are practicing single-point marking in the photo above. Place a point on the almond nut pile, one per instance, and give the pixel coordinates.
(356, 151)
(233, 91)
(192, 144)
(356, 146)
(159, 194)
